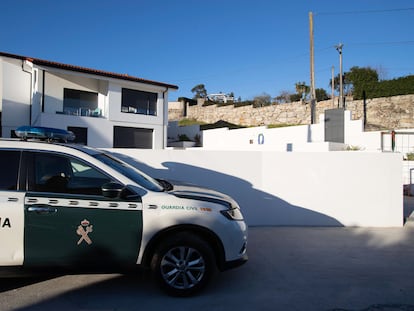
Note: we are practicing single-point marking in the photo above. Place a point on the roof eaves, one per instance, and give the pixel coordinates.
(102, 73)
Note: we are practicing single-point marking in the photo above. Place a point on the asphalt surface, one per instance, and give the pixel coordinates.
(303, 268)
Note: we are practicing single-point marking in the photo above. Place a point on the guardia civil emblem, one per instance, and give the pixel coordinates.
(83, 230)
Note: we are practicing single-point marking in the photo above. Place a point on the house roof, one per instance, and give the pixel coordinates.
(97, 72)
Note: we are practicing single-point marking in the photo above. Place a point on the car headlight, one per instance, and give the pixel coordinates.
(233, 213)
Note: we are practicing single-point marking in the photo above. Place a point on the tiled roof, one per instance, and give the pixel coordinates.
(121, 76)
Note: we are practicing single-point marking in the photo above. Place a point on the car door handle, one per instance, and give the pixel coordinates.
(42, 209)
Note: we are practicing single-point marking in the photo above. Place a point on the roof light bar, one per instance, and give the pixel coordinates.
(44, 133)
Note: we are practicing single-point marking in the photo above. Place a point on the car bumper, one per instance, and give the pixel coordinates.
(234, 263)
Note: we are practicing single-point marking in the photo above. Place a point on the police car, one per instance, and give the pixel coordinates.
(71, 206)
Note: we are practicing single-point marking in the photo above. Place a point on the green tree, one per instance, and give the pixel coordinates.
(347, 86)
(398, 86)
(321, 94)
(302, 89)
(357, 80)
(199, 91)
(295, 97)
(362, 79)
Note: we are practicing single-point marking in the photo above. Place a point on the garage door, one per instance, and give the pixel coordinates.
(131, 137)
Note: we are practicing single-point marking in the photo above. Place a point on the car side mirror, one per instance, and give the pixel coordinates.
(112, 190)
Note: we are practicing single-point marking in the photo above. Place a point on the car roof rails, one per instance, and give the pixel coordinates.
(48, 134)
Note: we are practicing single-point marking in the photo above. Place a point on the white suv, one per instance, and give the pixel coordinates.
(71, 206)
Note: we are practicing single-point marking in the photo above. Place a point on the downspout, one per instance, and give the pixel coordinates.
(165, 117)
(364, 101)
(43, 90)
(27, 66)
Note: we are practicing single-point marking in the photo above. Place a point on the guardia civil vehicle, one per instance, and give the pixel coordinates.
(74, 207)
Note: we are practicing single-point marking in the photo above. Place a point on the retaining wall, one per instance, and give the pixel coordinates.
(395, 112)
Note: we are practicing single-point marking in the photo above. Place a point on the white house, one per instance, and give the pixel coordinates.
(220, 97)
(103, 109)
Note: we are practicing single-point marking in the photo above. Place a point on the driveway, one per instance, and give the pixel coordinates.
(289, 269)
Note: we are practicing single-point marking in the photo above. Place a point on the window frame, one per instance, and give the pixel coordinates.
(30, 155)
(79, 109)
(136, 105)
(81, 134)
(18, 179)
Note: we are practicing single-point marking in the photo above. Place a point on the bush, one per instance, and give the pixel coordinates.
(183, 137)
(409, 156)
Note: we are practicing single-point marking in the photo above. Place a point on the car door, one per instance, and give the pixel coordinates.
(11, 209)
(68, 222)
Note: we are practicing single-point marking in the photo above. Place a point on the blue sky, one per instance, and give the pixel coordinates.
(248, 47)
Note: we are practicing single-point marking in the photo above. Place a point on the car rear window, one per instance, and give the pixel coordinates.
(9, 168)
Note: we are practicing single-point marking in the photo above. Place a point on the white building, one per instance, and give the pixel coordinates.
(220, 97)
(103, 109)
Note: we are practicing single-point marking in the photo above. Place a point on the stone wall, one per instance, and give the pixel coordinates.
(395, 112)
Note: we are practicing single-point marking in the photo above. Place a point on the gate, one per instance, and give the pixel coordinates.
(334, 125)
(401, 142)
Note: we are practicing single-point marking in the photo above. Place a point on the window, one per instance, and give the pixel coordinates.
(139, 102)
(80, 103)
(81, 134)
(131, 137)
(61, 174)
(9, 168)
(130, 171)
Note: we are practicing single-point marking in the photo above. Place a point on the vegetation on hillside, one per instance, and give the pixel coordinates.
(356, 82)
(366, 79)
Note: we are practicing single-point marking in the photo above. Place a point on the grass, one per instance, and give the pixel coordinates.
(188, 122)
(272, 126)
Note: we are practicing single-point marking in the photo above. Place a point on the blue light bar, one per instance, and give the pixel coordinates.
(44, 133)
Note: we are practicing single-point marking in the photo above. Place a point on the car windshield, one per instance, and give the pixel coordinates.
(129, 171)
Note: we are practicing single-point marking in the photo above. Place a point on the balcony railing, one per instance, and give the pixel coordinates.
(83, 112)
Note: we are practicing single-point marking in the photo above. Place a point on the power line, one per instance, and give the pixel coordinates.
(383, 43)
(365, 11)
(356, 44)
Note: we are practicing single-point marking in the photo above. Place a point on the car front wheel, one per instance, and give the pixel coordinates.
(183, 264)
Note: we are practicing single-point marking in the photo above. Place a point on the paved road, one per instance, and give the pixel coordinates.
(289, 269)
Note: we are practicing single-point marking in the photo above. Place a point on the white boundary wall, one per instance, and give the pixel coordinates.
(301, 138)
(291, 188)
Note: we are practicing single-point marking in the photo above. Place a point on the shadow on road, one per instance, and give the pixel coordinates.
(288, 269)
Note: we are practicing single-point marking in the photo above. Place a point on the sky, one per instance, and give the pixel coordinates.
(247, 47)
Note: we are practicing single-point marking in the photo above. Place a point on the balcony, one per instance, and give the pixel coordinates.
(82, 112)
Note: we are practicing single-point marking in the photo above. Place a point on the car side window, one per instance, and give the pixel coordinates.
(9, 168)
(86, 179)
(62, 174)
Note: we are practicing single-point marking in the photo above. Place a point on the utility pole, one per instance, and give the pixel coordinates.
(341, 86)
(333, 87)
(312, 71)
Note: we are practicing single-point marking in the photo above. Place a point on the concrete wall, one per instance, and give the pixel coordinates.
(291, 188)
(293, 138)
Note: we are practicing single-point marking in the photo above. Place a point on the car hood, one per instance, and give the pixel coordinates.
(190, 191)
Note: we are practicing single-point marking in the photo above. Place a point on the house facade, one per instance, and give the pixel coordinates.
(103, 109)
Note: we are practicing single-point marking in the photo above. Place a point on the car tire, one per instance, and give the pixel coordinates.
(183, 264)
